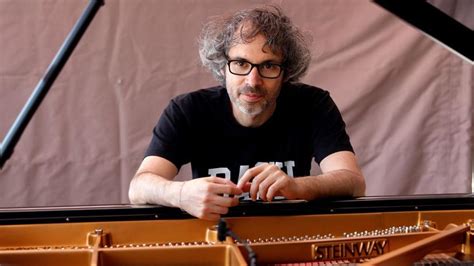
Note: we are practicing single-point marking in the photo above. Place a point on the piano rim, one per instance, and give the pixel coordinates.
(127, 212)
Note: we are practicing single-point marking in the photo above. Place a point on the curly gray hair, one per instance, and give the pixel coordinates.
(221, 33)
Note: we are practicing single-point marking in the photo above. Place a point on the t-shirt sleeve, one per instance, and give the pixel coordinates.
(170, 136)
(330, 134)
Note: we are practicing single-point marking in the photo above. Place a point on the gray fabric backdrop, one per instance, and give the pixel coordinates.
(407, 101)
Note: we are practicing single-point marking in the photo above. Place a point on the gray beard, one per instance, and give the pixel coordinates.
(252, 110)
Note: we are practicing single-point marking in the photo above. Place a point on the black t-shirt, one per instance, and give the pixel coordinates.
(199, 127)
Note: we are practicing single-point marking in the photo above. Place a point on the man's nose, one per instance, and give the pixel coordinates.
(253, 78)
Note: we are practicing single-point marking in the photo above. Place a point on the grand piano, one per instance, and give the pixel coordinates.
(410, 230)
(416, 230)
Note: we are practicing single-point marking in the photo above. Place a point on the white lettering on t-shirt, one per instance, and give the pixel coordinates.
(243, 168)
(219, 171)
(289, 165)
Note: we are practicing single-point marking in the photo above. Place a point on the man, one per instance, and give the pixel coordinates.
(253, 134)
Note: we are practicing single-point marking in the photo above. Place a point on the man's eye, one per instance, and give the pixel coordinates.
(241, 63)
(268, 66)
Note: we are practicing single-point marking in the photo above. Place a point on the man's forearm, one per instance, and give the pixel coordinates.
(338, 183)
(149, 188)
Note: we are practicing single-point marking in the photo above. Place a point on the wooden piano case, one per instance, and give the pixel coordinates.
(368, 231)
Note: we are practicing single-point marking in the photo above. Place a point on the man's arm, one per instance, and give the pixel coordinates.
(341, 176)
(153, 183)
(202, 197)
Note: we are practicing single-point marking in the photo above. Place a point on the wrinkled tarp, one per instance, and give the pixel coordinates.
(407, 101)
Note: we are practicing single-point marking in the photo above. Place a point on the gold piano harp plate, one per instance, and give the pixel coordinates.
(365, 238)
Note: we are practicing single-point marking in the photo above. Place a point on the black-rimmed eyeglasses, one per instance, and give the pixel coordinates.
(266, 70)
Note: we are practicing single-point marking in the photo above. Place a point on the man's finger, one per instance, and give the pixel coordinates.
(223, 186)
(225, 189)
(219, 210)
(274, 189)
(250, 173)
(255, 185)
(263, 180)
(272, 178)
(220, 180)
(246, 187)
(226, 201)
(211, 217)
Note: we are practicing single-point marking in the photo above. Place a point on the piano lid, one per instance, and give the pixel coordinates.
(453, 33)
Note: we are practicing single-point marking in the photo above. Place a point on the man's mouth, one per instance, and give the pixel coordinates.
(251, 97)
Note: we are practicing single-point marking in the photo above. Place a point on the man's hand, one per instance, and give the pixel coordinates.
(268, 181)
(204, 197)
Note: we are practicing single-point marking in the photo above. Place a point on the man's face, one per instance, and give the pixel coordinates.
(253, 95)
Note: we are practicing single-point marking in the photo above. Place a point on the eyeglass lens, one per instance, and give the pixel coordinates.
(266, 70)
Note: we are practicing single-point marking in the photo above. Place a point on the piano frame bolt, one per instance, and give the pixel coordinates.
(427, 224)
(467, 246)
(98, 238)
